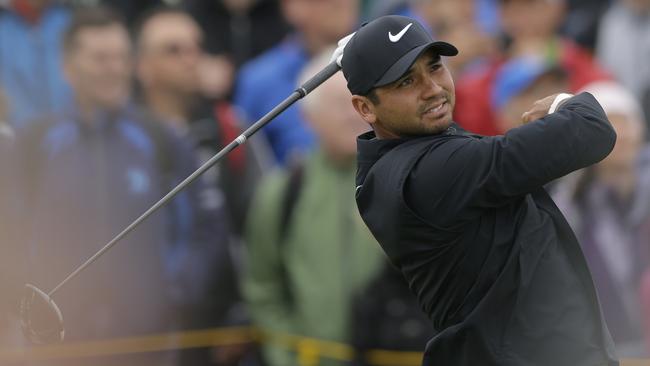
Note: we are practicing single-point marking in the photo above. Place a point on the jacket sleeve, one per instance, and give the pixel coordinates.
(488, 172)
(263, 283)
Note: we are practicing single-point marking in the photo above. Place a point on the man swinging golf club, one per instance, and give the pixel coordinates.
(466, 219)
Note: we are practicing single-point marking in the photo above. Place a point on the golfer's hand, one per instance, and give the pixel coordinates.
(540, 109)
(338, 52)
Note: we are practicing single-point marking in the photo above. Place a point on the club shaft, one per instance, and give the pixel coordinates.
(299, 93)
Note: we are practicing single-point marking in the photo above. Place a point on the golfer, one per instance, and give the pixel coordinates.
(465, 218)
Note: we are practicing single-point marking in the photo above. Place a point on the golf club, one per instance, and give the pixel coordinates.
(41, 319)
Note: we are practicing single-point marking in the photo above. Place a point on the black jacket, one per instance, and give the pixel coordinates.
(490, 257)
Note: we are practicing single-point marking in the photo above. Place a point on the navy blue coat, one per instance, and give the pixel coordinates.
(82, 184)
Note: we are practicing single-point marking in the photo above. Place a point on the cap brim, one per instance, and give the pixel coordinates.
(402, 65)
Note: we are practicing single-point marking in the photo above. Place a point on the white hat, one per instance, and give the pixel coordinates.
(615, 99)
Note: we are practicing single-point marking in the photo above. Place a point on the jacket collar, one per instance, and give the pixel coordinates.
(370, 148)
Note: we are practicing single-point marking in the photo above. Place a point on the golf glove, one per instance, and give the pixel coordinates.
(338, 52)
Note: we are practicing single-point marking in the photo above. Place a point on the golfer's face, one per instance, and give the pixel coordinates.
(421, 102)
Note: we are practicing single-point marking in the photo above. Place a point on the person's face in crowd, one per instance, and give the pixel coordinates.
(169, 53)
(337, 128)
(421, 102)
(98, 66)
(511, 113)
(629, 140)
(531, 18)
(321, 22)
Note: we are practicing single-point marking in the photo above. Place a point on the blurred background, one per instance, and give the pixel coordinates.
(106, 105)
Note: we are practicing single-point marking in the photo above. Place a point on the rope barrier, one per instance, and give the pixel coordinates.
(150, 343)
(309, 351)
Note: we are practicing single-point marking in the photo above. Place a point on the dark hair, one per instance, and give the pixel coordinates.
(89, 17)
(372, 95)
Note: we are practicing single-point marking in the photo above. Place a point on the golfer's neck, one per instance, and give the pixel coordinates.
(384, 134)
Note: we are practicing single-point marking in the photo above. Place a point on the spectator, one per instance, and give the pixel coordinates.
(267, 80)
(30, 58)
(608, 207)
(168, 63)
(169, 53)
(531, 29)
(88, 174)
(309, 251)
(217, 71)
(623, 45)
(521, 82)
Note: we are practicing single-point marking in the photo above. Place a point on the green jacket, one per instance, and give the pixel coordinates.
(305, 285)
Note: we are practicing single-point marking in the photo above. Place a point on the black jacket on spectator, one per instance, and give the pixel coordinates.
(490, 257)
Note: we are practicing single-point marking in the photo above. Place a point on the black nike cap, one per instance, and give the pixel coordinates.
(384, 49)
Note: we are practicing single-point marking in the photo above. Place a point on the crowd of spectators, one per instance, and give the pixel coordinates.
(105, 105)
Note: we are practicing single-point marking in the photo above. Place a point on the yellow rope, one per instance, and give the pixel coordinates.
(307, 347)
(394, 358)
(152, 343)
(309, 351)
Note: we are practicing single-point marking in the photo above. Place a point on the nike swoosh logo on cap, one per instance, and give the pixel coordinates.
(398, 36)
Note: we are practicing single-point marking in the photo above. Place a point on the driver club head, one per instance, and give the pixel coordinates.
(40, 318)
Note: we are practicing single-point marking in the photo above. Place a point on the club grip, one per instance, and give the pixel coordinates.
(319, 78)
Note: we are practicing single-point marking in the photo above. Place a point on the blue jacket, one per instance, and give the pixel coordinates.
(30, 64)
(265, 82)
(85, 184)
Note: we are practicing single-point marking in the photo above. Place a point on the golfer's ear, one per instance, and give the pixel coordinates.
(365, 108)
